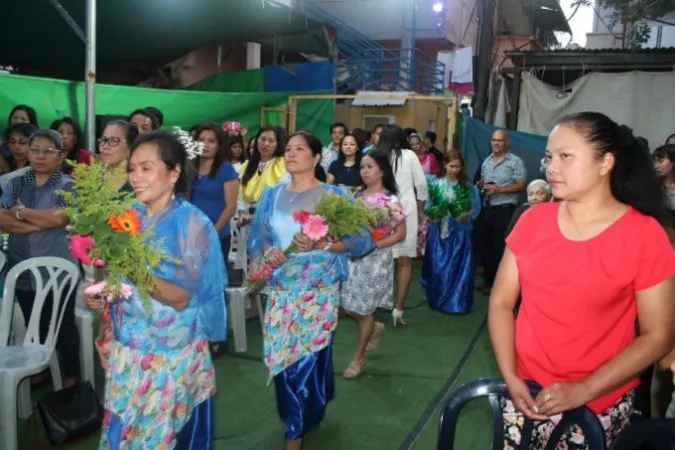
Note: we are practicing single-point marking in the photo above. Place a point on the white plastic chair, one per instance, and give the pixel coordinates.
(236, 296)
(19, 362)
(84, 319)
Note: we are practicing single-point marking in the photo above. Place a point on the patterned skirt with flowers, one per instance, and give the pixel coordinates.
(151, 397)
(613, 421)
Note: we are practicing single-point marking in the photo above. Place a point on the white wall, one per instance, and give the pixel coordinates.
(662, 35)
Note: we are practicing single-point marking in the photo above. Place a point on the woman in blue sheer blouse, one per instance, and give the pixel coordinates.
(302, 310)
(447, 269)
(161, 381)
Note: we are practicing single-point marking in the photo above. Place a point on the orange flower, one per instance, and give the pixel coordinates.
(127, 222)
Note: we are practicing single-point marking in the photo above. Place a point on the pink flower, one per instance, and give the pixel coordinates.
(97, 290)
(315, 228)
(301, 216)
(80, 246)
(99, 263)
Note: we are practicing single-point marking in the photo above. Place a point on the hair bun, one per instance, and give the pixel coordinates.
(626, 137)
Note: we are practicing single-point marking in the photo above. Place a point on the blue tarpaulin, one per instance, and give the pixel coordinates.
(305, 77)
(476, 147)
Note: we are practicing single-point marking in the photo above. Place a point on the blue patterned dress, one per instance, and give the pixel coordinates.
(161, 380)
(302, 310)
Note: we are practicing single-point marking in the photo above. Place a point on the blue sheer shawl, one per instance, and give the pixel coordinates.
(190, 239)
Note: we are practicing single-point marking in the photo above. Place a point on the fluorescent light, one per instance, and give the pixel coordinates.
(438, 7)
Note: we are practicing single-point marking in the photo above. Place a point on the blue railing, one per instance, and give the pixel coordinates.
(365, 64)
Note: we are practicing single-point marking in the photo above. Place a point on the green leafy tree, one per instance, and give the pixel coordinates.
(633, 14)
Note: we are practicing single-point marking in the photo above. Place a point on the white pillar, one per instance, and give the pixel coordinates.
(90, 75)
(252, 55)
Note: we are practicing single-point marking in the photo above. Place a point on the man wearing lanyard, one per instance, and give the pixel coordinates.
(503, 178)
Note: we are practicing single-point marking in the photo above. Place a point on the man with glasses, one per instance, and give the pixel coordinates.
(502, 179)
(29, 212)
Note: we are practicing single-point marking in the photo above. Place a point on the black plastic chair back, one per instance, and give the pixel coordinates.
(658, 432)
(494, 389)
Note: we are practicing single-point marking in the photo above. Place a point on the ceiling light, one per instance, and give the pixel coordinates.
(438, 7)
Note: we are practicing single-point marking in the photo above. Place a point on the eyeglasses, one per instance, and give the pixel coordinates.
(47, 152)
(110, 142)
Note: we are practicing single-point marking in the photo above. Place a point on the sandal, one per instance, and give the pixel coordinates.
(354, 370)
(378, 329)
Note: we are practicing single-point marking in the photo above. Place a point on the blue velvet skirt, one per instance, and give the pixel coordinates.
(197, 434)
(303, 392)
(447, 270)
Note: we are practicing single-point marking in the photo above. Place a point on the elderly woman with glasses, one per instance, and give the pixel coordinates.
(29, 212)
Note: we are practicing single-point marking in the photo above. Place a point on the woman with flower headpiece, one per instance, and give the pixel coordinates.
(302, 310)
(160, 383)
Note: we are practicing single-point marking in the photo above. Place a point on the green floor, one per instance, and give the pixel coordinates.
(376, 412)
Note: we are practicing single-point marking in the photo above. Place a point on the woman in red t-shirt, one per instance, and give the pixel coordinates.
(587, 267)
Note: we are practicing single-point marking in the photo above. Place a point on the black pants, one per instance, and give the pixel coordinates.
(225, 244)
(493, 234)
(68, 341)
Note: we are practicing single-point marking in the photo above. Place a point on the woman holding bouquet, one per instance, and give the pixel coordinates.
(371, 277)
(447, 270)
(161, 382)
(302, 310)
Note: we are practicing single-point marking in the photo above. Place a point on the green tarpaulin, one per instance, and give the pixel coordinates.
(53, 99)
(241, 81)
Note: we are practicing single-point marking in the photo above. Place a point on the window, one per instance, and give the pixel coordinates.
(371, 120)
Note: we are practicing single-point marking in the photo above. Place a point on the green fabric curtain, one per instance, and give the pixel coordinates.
(53, 99)
(241, 81)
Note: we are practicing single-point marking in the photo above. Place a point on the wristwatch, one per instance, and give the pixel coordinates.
(18, 213)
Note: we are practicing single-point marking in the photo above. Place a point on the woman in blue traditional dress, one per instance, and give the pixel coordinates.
(161, 382)
(447, 271)
(302, 311)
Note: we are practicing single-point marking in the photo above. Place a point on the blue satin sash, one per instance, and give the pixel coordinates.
(447, 271)
(303, 391)
(197, 434)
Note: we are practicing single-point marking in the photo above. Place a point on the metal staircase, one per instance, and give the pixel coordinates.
(364, 64)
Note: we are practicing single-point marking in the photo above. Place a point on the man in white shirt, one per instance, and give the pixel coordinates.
(330, 152)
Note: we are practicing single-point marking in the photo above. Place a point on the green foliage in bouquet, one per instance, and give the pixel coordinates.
(344, 216)
(462, 203)
(439, 207)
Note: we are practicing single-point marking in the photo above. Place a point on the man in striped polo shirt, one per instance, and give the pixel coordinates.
(503, 179)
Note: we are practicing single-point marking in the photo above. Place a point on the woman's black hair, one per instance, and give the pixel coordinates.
(157, 113)
(77, 131)
(130, 130)
(254, 159)
(234, 140)
(633, 179)
(222, 154)
(669, 138)
(145, 113)
(316, 147)
(392, 141)
(383, 162)
(23, 128)
(359, 150)
(30, 112)
(171, 152)
(665, 152)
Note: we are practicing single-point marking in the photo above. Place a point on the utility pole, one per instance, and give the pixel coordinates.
(485, 43)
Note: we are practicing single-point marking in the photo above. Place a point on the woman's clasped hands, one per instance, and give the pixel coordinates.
(95, 303)
(554, 399)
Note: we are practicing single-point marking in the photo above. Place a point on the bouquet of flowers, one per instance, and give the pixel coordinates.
(390, 214)
(106, 234)
(456, 202)
(335, 216)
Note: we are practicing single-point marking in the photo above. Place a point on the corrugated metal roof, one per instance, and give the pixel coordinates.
(639, 51)
(377, 98)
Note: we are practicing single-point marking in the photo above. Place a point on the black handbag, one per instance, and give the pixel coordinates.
(70, 413)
